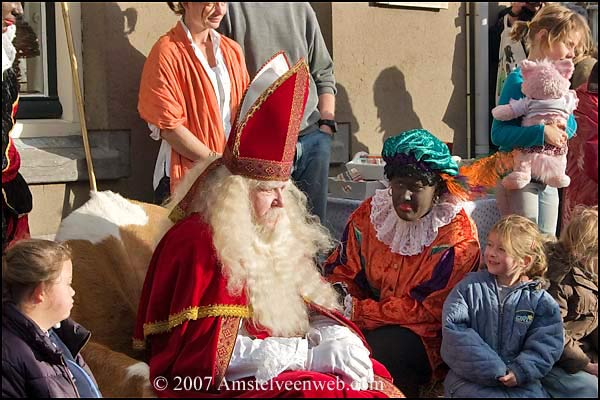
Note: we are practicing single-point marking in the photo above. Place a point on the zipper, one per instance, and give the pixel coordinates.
(95, 389)
(70, 375)
(87, 378)
(501, 306)
(501, 312)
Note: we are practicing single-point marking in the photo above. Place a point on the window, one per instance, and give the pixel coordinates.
(35, 65)
(57, 57)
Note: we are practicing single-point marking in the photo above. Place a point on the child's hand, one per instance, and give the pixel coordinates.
(555, 136)
(591, 368)
(508, 380)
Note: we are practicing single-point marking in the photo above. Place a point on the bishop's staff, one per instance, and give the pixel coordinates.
(79, 97)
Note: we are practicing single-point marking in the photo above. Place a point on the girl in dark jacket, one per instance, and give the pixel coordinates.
(573, 275)
(40, 344)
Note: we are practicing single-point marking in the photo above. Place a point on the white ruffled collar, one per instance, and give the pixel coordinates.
(9, 52)
(409, 238)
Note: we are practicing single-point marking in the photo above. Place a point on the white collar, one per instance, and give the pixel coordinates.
(9, 52)
(214, 37)
(409, 238)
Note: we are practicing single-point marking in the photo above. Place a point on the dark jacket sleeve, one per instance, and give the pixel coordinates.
(13, 384)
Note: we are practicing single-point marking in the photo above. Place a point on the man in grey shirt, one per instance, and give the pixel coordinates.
(263, 29)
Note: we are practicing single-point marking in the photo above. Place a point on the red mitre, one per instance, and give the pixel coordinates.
(262, 143)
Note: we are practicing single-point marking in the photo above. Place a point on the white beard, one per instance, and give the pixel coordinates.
(273, 284)
(275, 268)
(9, 52)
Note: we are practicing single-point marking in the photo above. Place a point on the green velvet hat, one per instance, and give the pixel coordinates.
(424, 147)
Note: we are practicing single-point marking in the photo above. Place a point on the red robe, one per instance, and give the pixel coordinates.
(582, 158)
(190, 322)
(16, 197)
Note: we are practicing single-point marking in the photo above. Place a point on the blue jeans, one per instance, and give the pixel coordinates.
(311, 169)
(559, 383)
(536, 201)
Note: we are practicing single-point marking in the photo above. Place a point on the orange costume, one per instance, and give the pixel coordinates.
(394, 289)
(176, 90)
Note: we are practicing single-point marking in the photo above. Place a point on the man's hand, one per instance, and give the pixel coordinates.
(351, 362)
(508, 380)
(591, 368)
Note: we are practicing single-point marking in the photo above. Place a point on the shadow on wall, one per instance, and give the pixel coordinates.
(125, 72)
(113, 68)
(394, 104)
(455, 115)
(344, 114)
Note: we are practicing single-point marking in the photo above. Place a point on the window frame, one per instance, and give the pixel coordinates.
(68, 123)
(45, 106)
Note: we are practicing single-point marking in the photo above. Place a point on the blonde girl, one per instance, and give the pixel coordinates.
(501, 320)
(573, 276)
(40, 344)
(555, 33)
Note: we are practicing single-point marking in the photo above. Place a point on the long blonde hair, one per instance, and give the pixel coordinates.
(520, 238)
(580, 237)
(29, 263)
(559, 22)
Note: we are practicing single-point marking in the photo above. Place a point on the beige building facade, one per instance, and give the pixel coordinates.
(397, 67)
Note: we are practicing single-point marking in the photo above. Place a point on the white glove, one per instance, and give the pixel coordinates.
(323, 328)
(265, 359)
(344, 358)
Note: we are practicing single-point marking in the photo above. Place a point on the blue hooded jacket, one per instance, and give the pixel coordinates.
(484, 338)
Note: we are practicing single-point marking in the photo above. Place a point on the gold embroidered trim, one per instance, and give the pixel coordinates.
(177, 214)
(297, 110)
(138, 344)
(181, 210)
(260, 169)
(194, 313)
(225, 345)
(388, 388)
